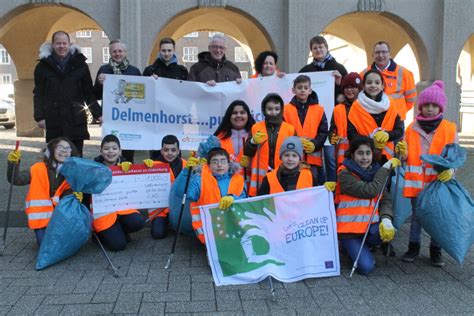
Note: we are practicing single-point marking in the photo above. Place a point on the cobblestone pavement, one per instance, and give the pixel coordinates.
(84, 284)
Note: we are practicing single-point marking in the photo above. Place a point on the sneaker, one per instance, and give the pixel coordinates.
(436, 257)
(412, 253)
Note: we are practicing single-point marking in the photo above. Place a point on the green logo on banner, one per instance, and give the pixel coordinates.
(240, 236)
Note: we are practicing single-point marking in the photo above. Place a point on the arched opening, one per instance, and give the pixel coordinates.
(22, 31)
(465, 79)
(235, 24)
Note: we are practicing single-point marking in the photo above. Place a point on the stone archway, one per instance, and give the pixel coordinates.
(234, 23)
(22, 31)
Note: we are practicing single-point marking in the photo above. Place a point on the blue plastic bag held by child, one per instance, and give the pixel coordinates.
(446, 210)
(401, 204)
(71, 223)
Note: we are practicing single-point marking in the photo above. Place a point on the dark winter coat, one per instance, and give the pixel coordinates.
(171, 71)
(330, 66)
(209, 69)
(106, 69)
(59, 97)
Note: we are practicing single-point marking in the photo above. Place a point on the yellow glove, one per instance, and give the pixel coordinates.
(14, 156)
(392, 164)
(226, 202)
(386, 230)
(125, 166)
(244, 161)
(379, 145)
(148, 162)
(381, 137)
(192, 162)
(401, 148)
(446, 175)
(78, 196)
(308, 146)
(259, 138)
(202, 161)
(330, 185)
(334, 139)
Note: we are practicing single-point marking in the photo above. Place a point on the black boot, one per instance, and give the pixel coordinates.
(436, 257)
(388, 247)
(412, 253)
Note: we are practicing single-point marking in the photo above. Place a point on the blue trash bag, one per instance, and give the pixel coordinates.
(446, 210)
(175, 207)
(70, 225)
(401, 204)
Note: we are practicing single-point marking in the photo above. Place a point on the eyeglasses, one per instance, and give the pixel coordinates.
(65, 149)
(216, 47)
(216, 162)
(381, 52)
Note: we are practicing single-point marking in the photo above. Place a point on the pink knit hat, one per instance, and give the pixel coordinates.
(433, 94)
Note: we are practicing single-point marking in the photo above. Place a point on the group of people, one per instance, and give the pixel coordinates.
(288, 150)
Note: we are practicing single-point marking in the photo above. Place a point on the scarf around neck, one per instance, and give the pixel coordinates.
(322, 64)
(118, 68)
(428, 126)
(366, 175)
(372, 106)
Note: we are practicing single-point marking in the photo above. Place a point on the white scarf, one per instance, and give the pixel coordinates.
(372, 106)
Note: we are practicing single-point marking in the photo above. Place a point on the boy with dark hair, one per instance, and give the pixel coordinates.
(309, 120)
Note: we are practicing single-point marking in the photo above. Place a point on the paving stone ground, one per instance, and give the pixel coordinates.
(84, 283)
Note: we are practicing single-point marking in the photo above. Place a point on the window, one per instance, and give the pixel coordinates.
(240, 55)
(87, 51)
(104, 34)
(5, 79)
(84, 33)
(192, 34)
(212, 33)
(105, 55)
(244, 74)
(4, 57)
(190, 54)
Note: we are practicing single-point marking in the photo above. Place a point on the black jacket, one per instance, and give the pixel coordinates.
(330, 65)
(106, 69)
(207, 69)
(171, 71)
(59, 97)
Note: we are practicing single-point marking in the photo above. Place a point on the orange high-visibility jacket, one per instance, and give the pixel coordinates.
(417, 173)
(211, 194)
(399, 85)
(305, 180)
(310, 126)
(366, 125)
(227, 145)
(340, 120)
(39, 205)
(163, 212)
(353, 214)
(262, 155)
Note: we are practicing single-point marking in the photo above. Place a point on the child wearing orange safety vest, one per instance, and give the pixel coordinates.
(261, 151)
(307, 116)
(351, 85)
(47, 185)
(360, 181)
(428, 134)
(216, 181)
(293, 174)
(169, 154)
(113, 228)
(375, 115)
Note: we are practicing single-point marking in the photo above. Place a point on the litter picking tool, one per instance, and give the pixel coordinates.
(9, 204)
(272, 289)
(180, 218)
(354, 266)
(114, 268)
(394, 207)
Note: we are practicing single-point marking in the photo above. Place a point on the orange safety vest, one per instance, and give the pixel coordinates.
(262, 155)
(366, 125)
(163, 212)
(353, 214)
(417, 173)
(227, 145)
(340, 120)
(211, 194)
(39, 206)
(305, 180)
(309, 129)
(400, 86)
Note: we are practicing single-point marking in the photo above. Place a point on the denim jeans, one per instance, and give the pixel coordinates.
(115, 237)
(330, 162)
